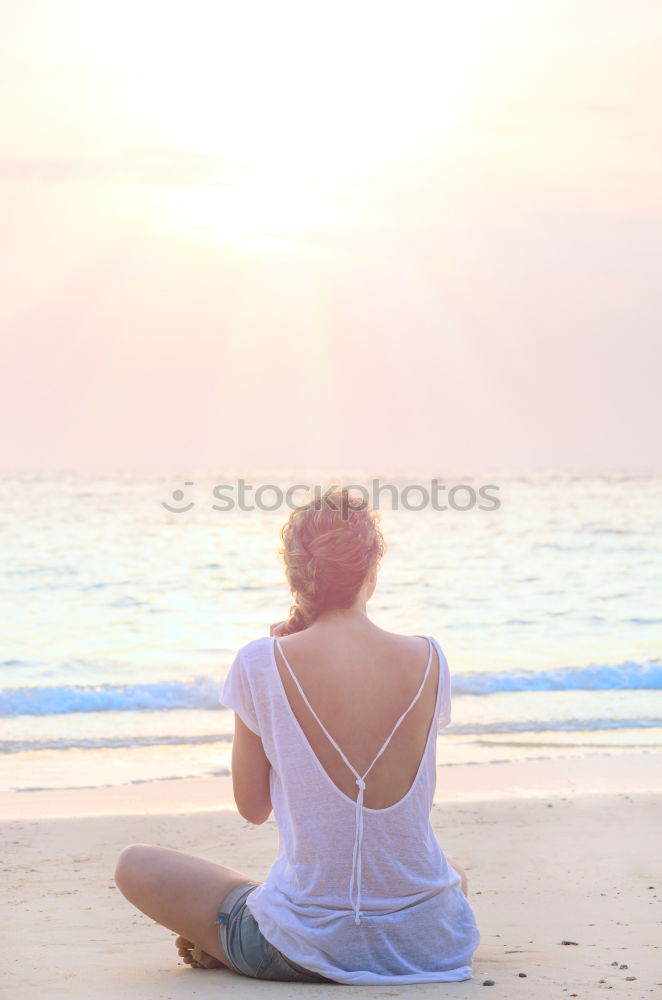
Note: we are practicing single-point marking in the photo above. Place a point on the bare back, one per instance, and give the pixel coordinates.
(359, 681)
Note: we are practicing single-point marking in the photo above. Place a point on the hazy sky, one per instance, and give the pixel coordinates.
(357, 234)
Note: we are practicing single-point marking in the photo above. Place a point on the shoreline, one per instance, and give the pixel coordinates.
(588, 774)
(551, 855)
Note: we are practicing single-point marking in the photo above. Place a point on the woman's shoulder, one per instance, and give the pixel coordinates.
(415, 643)
(256, 652)
(415, 646)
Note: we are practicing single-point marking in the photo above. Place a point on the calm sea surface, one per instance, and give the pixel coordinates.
(121, 618)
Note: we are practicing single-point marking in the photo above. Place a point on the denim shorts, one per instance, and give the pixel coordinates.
(247, 950)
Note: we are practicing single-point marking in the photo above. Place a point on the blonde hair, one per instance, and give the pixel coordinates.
(330, 545)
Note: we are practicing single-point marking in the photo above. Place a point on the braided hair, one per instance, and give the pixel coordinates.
(330, 545)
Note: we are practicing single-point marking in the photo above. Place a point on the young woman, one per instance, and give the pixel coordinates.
(335, 730)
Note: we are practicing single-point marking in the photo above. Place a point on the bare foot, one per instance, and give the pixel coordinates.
(196, 957)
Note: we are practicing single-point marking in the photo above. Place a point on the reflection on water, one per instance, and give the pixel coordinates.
(122, 619)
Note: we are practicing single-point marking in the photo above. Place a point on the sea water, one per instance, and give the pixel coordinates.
(121, 618)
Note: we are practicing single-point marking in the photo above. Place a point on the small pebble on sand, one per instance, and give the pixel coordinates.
(488, 982)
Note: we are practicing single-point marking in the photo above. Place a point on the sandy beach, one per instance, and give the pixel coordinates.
(555, 851)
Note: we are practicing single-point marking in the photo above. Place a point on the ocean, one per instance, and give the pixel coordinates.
(121, 617)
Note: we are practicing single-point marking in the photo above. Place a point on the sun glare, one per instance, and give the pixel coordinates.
(315, 107)
(261, 205)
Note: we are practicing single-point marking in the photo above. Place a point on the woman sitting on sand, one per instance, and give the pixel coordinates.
(335, 730)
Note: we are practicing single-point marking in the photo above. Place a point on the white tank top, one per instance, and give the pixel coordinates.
(358, 895)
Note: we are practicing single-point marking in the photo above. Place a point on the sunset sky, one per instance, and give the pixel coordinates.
(372, 235)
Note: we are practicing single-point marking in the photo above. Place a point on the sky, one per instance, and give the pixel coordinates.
(369, 235)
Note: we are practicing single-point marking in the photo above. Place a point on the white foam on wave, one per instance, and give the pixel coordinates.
(203, 692)
(628, 676)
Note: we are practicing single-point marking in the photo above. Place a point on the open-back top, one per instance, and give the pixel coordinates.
(414, 924)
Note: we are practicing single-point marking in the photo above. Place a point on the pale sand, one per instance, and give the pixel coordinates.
(554, 851)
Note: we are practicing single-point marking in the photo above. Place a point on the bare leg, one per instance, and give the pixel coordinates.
(461, 872)
(179, 891)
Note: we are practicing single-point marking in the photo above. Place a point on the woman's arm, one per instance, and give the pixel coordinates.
(250, 774)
